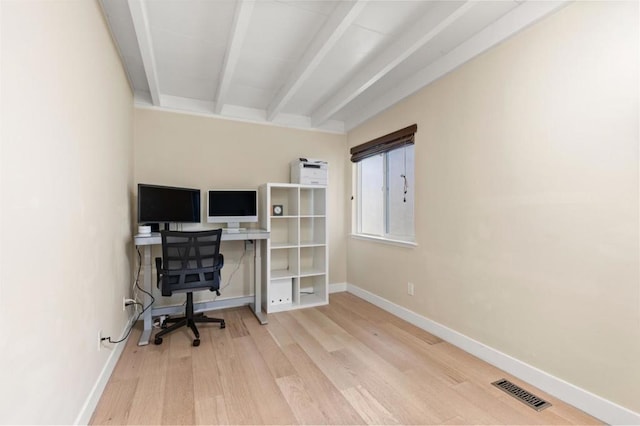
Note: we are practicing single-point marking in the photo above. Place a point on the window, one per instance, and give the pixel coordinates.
(385, 186)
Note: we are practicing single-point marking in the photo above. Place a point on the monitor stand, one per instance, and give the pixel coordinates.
(233, 227)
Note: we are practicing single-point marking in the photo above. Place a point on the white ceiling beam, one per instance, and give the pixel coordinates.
(138, 12)
(239, 30)
(419, 35)
(336, 25)
(510, 24)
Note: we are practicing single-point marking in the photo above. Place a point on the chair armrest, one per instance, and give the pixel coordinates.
(158, 271)
(219, 262)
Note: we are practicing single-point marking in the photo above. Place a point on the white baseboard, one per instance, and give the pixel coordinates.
(337, 287)
(586, 401)
(91, 402)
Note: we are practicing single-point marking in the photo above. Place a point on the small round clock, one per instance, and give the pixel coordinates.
(277, 210)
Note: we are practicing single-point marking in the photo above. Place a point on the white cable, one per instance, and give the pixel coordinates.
(235, 270)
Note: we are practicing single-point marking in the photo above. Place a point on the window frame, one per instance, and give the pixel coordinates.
(396, 140)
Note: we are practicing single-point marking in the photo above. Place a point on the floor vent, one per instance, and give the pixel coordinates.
(517, 392)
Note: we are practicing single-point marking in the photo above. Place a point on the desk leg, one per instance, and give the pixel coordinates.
(148, 323)
(256, 306)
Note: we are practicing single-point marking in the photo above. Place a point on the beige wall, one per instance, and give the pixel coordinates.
(206, 153)
(527, 200)
(66, 176)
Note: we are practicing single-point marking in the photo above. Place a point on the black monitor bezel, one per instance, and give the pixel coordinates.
(196, 217)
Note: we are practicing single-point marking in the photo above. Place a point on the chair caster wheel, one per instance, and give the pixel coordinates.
(222, 325)
(196, 342)
(158, 341)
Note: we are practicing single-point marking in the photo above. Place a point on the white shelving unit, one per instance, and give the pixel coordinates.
(295, 260)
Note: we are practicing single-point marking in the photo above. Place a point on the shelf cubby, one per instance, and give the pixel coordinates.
(312, 290)
(287, 197)
(313, 201)
(313, 231)
(284, 262)
(284, 232)
(313, 261)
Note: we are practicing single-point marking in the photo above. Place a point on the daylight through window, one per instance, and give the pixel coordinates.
(385, 186)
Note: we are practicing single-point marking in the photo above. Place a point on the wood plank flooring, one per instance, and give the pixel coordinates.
(346, 363)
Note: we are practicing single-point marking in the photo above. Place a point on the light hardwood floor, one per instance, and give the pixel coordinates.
(346, 363)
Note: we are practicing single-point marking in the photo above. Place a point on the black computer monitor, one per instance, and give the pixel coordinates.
(165, 204)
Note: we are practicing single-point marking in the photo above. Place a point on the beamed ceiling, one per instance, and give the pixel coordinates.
(327, 65)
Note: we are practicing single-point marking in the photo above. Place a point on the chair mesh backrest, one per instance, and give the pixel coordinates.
(190, 261)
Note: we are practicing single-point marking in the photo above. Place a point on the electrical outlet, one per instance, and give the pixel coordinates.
(99, 340)
(410, 289)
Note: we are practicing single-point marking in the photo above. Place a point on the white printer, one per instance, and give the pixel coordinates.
(309, 171)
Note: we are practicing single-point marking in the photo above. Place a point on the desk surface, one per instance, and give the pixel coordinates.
(248, 234)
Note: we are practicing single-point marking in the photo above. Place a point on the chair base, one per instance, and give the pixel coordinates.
(190, 319)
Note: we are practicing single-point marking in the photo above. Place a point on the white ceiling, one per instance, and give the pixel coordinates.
(327, 65)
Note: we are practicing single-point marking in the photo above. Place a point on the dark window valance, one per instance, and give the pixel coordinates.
(384, 143)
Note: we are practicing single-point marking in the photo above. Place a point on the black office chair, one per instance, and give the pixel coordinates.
(190, 261)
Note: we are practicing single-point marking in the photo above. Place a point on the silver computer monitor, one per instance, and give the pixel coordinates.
(232, 206)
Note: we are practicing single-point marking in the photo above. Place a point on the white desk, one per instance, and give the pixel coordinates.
(147, 242)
